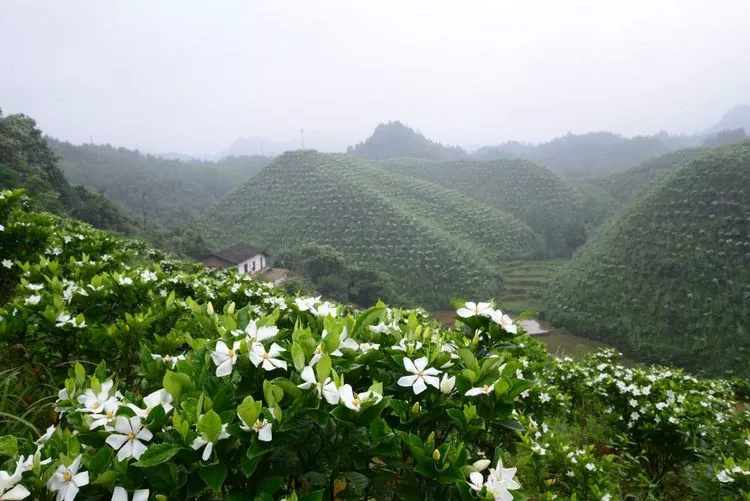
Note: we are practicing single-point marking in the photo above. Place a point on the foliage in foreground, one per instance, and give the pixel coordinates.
(204, 384)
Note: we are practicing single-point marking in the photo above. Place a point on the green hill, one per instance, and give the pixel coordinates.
(156, 189)
(669, 278)
(433, 244)
(549, 204)
(623, 186)
(395, 139)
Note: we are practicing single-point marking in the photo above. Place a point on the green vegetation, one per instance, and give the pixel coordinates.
(668, 279)
(624, 186)
(550, 205)
(26, 161)
(524, 283)
(204, 384)
(592, 154)
(429, 242)
(155, 189)
(395, 139)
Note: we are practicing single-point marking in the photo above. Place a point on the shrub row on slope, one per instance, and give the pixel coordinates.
(432, 242)
(550, 205)
(669, 279)
(216, 386)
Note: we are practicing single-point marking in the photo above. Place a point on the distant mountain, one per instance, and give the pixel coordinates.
(668, 279)
(737, 117)
(432, 243)
(549, 204)
(395, 139)
(259, 146)
(156, 189)
(623, 186)
(585, 155)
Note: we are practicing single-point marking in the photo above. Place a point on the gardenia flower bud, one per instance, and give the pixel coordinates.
(447, 384)
(210, 308)
(481, 464)
(415, 408)
(436, 455)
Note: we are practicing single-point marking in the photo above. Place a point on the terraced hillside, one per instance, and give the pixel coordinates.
(549, 204)
(669, 278)
(623, 186)
(434, 244)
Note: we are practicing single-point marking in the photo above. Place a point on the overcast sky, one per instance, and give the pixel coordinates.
(191, 76)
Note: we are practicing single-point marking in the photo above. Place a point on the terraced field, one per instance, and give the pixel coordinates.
(433, 243)
(524, 283)
(549, 204)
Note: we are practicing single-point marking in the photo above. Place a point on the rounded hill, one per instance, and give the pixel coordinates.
(549, 204)
(432, 243)
(669, 278)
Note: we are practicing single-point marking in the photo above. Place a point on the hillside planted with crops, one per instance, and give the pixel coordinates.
(155, 189)
(431, 242)
(549, 204)
(129, 374)
(669, 278)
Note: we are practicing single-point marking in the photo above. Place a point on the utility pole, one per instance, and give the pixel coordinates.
(302, 137)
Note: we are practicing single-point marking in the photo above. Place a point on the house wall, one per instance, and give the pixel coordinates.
(259, 260)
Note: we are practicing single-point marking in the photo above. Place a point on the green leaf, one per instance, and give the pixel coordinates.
(298, 356)
(99, 461)
(80, 374)
(9, 446)
(106, 478)
(210, 426)
(313, 496)
(157, 454)
(172, 384)
(249, 410)
(468, 358)
(213, 475)
(323, 367)
(270, 485)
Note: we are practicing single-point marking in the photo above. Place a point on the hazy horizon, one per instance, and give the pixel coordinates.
(191, 78)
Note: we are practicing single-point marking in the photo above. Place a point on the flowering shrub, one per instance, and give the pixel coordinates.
(171, 381)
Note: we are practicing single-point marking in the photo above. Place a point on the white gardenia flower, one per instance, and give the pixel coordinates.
(365, 347)
(405, 345)
(447, 384)
(471, 309)
(32, 300)
(258, 335)
(224, 357)
(66, 481)
(105, 415)
(327, 389)
(9, 490)
(483, 390)
(125, 281)
(120, 494)
(47, 435)
(169, 359)
(500, 480)
(354, 401)
(326, 308)
(209, 446)
(724, 477)
(481, 464)
(344, 342)
(264, 430)
(159, 397)
(270, 359)
(24, 464)
(476, 481)
(544, 397)
(306, 304)
(127, 440)
(7, 263)
(504, 321)
(94, 402)
(35, 287)
(378, 329)
(421, 375)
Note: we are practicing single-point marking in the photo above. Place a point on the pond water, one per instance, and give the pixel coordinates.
(533, 327)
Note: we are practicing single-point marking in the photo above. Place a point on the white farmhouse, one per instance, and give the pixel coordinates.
(245, 257)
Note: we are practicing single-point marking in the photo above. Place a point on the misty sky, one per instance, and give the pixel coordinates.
(191, 76)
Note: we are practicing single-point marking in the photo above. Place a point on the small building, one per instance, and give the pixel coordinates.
(247, 258)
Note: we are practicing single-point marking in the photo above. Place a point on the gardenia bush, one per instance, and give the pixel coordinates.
(175, 382)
